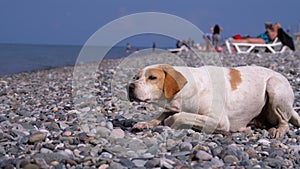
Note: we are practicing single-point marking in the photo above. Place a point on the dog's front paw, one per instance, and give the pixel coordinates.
(141, 126)
(277, 132)
(146, 125)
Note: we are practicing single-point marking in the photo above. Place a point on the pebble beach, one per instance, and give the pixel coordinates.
(70, 117)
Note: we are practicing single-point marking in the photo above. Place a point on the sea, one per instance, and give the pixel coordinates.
(16, 58)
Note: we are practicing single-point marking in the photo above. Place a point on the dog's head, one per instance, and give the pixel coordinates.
(156, 82)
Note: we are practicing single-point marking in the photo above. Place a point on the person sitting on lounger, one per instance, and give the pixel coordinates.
(268, 36)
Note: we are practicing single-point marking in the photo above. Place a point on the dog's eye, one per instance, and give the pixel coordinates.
(136, 78)
(152, 78)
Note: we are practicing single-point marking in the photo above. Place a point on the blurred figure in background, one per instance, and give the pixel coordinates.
(216, 37)
(128, 48)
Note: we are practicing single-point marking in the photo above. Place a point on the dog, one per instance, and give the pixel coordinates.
(212, 98)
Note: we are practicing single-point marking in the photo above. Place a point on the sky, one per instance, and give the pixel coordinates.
(73, 22)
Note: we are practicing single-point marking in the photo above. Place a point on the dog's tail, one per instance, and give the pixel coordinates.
(295, 119)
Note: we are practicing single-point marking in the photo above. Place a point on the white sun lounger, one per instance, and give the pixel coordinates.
(274, 47)
(183, 48)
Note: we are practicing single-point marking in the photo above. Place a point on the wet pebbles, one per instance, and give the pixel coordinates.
(45, 123)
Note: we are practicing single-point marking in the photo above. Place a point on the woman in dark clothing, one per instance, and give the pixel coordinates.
(216, 36)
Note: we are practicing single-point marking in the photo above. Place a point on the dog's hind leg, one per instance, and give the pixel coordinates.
(295, 119)
(280, 106)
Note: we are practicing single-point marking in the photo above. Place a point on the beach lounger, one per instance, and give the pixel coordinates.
(274, 47)
(183, 48)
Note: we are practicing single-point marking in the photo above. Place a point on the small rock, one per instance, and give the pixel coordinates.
(277, 152)
(202, 155)
(186, 146)
(217, 151)
(55, 109)
(137, 145)
(23, 163)
(63, 125)
(127, 163)
(103, 166)
(110, 125)
(257, 166)
(103, 132)
(251, 152)
(41, 163)
(264, 142)
(85, 109)
(181, 153)
(230, 159)
(106, 155)
(45, 150)
(139, 163)
(49, 157)
(31, 166)
(117, 133)
(67, 133)
(116, 165)
(37, 137)
(54, 163)
(217, 163)
(152, 163)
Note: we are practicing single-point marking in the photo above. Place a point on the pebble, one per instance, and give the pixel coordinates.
(37, 137)
(155, 162)
(117, 133)
(264, 142)
(231, 159)
(139, 163)
(186, 146)
(31, 166)
(202, 155)
(45, 122)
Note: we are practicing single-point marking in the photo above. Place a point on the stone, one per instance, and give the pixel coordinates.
(37, 137)
(217, 163)
(126, 162)
(45, 150)
(31, 166)
(139, 163)
(137, 145)
(41, 163)
(103, 166)
(116, 165)
(153, 163)
(202, 155)
(67, 133)
(117, 133)
(106, 155)
(186, 146)
(54, 163)
(217, 151)
(264, 142)
(103, 132)
(55, 109)
(231, 159)
(49, 157)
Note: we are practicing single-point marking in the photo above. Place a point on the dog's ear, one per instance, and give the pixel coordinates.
(174, 81)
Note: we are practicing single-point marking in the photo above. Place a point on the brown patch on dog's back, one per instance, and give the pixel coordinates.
(235, 78)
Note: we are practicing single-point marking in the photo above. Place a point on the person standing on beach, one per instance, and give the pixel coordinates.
(128, 48)
(216, 37)
(178, 45)
(153, 46)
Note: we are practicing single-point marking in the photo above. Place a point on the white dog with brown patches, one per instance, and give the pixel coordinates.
(216, 98)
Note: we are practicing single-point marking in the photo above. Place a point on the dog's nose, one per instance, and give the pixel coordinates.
(131, 86)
